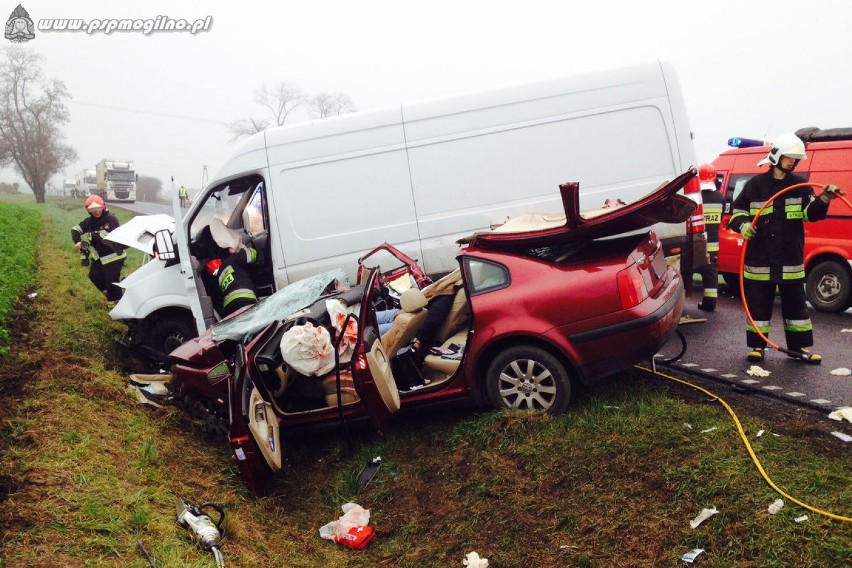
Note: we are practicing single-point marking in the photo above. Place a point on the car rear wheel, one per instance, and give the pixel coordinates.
(527, 377)
(828, 287)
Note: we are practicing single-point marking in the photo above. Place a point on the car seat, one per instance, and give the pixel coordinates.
(407, 322)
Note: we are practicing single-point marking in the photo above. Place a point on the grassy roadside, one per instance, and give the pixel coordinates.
(88, 474)
(18, 232)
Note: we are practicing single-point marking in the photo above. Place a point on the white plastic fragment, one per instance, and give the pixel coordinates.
(708, 430)
(690, 556)
(32, 295)
(845, 330)
(842, 436)
(841, 372)
(760, 433)
(472, 560)
(758, 371)
(801, 519)
(687, 425)
(776, 506)
(841, 413)
(703, 516)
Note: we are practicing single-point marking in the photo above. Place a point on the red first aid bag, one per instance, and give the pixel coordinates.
(357, 537)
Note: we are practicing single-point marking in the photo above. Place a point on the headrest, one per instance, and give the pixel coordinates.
(412, 300)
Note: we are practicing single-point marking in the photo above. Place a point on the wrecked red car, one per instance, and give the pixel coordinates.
(537, 306)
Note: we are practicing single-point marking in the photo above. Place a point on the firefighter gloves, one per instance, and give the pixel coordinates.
(832, 191)
(748, 231)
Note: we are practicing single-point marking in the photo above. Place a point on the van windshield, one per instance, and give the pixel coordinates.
(222, 203)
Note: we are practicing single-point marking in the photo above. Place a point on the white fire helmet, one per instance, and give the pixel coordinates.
(788, 145)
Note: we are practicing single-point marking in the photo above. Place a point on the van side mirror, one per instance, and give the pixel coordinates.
(164, 246)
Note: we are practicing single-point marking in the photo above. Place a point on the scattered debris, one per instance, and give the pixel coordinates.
(841, 372)
(776, 506)
(845, 330)
(32, 295)
(567, 546)
(757, 371)
(613, 407)
(703, 516)
(842, 436)
(708, 430)
(690, 557)
(801, 519)
(352, 530)
(841, 413)
(472, 560)
(368, 472)
(760, 433)
(687, 425)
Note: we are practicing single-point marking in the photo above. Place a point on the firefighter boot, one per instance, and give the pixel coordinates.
(806, 356)
(756, 354)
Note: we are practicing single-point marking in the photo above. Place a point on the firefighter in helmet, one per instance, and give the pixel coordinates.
(775, 254)
(104, 258)
(229, 267)
(713, 204)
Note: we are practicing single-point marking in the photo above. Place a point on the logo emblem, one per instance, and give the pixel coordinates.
(19, 26)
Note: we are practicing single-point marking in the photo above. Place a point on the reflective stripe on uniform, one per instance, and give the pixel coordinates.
(241, 294)
(762, 326)
(756, 272)
(113, 257)
(755, 206)
(712, 247)
(798, 325)
(711, 292)
(793, 272)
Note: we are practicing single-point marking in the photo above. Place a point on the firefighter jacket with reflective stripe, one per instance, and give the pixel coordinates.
(713, 205)
(776, 253)
(235, 281)
(92, 230)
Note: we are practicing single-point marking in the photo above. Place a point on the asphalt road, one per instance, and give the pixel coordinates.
(717, 348)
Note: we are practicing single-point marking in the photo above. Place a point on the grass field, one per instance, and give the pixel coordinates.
(88, 474)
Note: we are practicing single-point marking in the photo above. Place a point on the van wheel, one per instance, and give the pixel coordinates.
(828, 287)
(170, 332)
(527, 377)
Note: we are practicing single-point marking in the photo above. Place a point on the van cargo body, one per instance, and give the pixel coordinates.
(313, 196)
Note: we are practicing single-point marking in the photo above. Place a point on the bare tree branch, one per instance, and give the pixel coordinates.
(246, 127)
(32, 111)
(325, 104)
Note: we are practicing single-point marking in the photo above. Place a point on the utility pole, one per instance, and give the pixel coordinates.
(203, 176)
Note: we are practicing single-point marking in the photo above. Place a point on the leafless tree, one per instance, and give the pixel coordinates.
(325, 104)
(32, 111)
(280, 100)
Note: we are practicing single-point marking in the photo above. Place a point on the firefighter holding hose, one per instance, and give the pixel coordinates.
(775, 254)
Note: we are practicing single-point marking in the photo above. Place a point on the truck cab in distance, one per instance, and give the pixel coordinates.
(116, 180)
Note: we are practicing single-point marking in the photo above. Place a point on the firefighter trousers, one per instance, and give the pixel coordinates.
(760, 297)
(104, 277)
(710, 280)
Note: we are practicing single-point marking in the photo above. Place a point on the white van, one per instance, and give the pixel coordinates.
(317, 195)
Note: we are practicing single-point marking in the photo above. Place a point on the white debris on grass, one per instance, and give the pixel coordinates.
(760, 433)
(841, 413)
(757, 371)
(472, 560)
(687, 425)
(776, 506)
(690, 556)
(841, 372)
(801, 519)
(708, 430)
(703, 516)
(842, 436)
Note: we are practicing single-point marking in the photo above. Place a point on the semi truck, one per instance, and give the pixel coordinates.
(69, 188)
(116, 180)
(86, 183)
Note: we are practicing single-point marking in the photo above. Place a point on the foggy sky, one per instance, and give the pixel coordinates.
(751, 69)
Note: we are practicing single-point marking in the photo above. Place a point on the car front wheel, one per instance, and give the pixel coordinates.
(527, 377)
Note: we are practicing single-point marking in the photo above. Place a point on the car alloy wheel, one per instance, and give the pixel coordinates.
(527, 377)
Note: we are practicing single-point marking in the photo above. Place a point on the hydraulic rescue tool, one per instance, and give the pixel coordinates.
(204, 531)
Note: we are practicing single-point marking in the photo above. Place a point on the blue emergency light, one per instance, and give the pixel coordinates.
(738, 142)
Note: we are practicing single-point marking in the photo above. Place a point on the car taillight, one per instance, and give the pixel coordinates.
(692, 190)
(631, 286)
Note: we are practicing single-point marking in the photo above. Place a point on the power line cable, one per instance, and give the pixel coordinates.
(148, 112)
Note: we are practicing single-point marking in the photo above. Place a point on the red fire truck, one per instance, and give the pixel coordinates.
(828, 243)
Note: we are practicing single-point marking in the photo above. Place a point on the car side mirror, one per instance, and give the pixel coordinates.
(164, 245)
